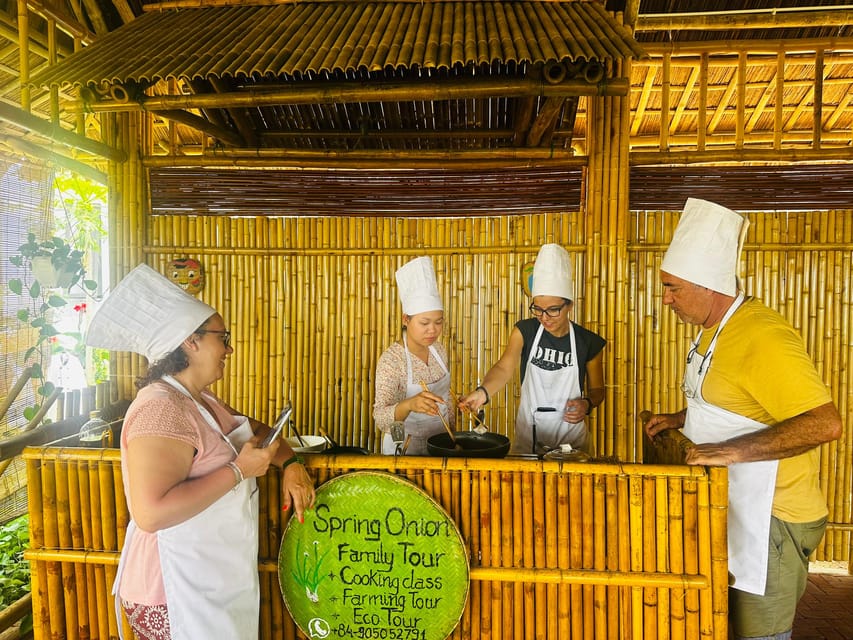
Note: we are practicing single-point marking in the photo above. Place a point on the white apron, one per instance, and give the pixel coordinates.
(751, 484)
(210, 562)
(421, 425)
(544, 395)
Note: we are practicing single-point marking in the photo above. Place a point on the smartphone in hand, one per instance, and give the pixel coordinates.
(275, 432)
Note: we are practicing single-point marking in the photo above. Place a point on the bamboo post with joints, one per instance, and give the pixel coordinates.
(14, 391)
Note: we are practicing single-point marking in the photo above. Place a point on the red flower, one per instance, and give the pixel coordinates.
(80, 308)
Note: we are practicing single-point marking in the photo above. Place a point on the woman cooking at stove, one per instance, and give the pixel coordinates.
(412, 376)
(558, 359)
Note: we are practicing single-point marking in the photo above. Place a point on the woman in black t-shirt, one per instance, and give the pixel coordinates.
(558, 360)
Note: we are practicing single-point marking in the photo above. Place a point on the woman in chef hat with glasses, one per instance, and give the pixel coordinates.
(417, 360)
(562, 375)
(188, 567)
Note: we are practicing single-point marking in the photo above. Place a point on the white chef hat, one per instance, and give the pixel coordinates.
(418, 289)
(552, 273)
(706, 246)
(146, 314)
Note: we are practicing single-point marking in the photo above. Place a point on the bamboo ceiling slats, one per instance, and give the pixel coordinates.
(556, 551)
(300, 40)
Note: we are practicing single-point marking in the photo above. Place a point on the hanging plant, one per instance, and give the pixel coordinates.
(47, 268)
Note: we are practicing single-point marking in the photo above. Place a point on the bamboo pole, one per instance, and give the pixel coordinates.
(15, 390)
(386, 91)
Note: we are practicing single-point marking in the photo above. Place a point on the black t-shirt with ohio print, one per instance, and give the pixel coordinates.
(555, 353)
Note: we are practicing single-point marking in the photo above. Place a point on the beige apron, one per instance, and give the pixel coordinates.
(210, 562)
(421, 425)
(751, 484)
(544, 395)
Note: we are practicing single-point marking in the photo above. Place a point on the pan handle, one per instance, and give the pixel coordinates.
(327, 437)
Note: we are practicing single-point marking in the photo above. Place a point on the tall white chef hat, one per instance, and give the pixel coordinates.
(418, 289)
(146, 314)
(552, 273)
(706, 246)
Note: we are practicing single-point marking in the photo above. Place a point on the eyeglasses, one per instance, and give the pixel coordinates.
(226, 335)
(689, 390)
(551, 312)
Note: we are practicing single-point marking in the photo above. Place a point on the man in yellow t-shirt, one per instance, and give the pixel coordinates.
(756, 404)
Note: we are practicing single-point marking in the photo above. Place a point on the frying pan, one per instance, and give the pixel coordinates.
(473, 445)
(334, 448)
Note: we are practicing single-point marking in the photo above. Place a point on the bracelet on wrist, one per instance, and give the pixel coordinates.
(485, 393)
(238, 473)
(293, 459)
(589, 405)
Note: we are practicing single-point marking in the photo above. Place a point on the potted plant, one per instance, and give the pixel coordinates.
(53, 263)
(46, 268)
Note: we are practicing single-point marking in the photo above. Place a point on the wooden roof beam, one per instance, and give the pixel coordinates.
(839, 110)
(29, 122)
(800, 137)
(643, 158)
(777, 18)
(645, 95)
(375, 159)
(340, 92)
(729, 46)
(124, 11)
(686, 93)
(546, 120)
(239, 115)
(64, 22)
(397, 134)
(96, 16)
(197, 122)
(35, 151)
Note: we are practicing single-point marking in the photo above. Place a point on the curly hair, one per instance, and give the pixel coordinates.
(173, 362)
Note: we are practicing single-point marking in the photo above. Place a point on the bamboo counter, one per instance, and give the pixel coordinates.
(557, 550)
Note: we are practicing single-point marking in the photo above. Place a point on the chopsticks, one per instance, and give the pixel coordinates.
(441, 415)
(473, 415)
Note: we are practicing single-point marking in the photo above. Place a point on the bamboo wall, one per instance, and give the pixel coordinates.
(556, 551)
(312, 303)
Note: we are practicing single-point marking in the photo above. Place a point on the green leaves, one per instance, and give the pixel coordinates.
(14, 570)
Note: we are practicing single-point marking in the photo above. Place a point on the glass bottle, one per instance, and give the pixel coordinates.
(95, 433)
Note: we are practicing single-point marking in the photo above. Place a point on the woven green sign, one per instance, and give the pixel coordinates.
(375, 558)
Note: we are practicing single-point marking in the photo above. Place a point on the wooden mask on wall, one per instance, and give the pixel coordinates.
(187, 273)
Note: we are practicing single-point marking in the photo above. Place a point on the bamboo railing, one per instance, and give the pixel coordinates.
(556, 550)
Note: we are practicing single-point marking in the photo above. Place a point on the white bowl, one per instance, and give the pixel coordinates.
(312, 444)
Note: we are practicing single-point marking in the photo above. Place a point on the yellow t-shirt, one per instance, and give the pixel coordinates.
(760, 369)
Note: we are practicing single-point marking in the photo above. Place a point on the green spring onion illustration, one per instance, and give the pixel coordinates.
(307, 571)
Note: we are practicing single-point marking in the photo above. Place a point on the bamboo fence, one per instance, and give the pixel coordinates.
(312, 304)
(556, 550)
